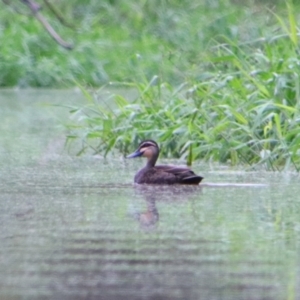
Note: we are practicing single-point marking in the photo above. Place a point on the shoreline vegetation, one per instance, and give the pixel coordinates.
(216, 80)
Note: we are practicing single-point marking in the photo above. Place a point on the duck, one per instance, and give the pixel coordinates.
(161, 174)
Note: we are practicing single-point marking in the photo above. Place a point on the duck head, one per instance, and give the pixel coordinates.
(147, 148)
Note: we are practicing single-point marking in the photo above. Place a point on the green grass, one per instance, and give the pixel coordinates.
(240, 104)
(216, 80)
(124, 40)
(227, 119)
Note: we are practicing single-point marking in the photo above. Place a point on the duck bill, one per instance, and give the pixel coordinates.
(137, 153)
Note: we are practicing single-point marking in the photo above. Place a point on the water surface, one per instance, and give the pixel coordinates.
(77, 228)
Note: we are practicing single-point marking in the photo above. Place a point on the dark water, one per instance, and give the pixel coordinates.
(77, 228)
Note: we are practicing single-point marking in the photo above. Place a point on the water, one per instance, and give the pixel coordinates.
(77, 228)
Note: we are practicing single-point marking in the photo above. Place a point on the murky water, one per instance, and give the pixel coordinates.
(77, 228)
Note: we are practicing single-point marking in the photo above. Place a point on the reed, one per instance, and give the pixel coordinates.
(240, 105)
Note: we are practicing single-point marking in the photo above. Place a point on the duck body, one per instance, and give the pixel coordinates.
(167, 174)
(161, 174)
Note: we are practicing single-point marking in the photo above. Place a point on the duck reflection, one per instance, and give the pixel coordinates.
(152, 194)
(150, 216)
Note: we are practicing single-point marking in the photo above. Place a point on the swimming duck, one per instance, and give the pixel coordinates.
(162, 174)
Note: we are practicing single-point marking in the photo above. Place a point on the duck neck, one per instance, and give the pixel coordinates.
(152, 160)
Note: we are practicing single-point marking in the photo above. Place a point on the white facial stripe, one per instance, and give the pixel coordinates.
(143, 149)
(147, 144)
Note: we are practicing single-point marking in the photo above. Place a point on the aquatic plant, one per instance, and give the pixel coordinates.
(229, 118)
(240, 105)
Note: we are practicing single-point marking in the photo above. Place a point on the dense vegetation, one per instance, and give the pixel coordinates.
(215, 79)
(125, 40)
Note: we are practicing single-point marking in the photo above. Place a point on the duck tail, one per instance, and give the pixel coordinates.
(192, 180)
